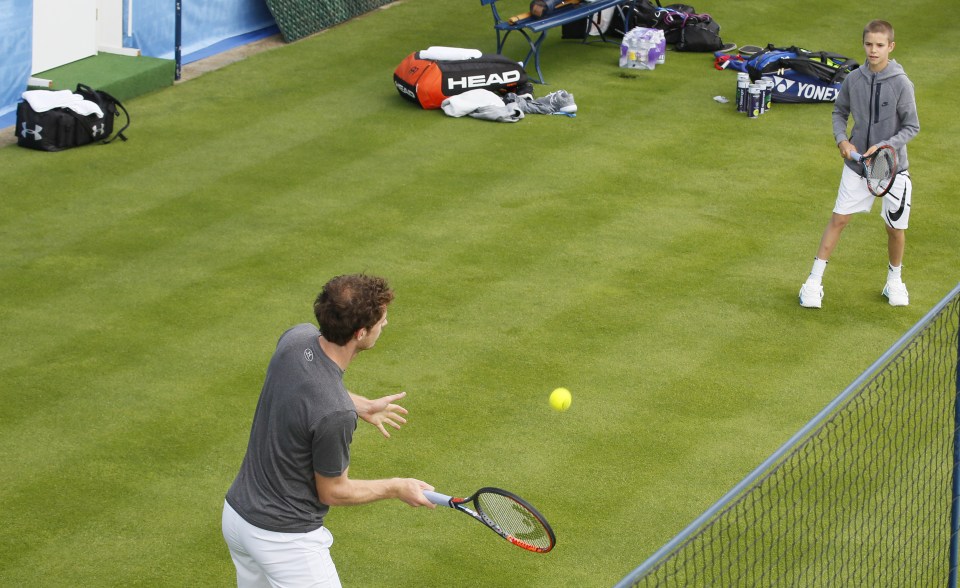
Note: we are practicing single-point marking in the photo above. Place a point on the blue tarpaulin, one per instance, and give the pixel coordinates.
(204, 23)
(16, 46)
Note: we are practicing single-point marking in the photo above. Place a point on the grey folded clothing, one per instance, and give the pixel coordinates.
(558, 102)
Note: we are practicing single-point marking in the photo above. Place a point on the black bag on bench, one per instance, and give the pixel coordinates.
(643, 15)
(62, 128)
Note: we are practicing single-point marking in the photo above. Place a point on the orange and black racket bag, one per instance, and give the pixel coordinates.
(428, 83)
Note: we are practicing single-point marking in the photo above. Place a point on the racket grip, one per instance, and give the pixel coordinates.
(437, 498)
(856, 156)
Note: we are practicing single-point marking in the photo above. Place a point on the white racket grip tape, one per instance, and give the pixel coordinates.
(437, 498)
(856, 156)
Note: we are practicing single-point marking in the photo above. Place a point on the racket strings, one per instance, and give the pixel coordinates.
(880, 171)
(514, 519)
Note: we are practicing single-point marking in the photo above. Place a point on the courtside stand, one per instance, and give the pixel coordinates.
(534, 30)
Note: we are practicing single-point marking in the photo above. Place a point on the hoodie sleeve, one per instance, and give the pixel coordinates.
(841, 110)
(907, 113)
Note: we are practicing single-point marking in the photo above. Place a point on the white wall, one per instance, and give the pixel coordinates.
(63, 31)
(110, 24)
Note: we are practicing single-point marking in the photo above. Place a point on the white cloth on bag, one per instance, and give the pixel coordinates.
(266, 559)
(440, 53)
(44, 100)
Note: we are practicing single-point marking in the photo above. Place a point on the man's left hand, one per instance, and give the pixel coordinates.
(381, 411)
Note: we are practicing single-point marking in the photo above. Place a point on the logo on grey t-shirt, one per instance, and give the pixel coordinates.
(308, 354)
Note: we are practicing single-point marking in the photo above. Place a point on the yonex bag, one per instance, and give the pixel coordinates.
(429, 82)
(799, 75)
(55, 128)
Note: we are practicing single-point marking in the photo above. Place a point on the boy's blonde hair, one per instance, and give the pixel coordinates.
(879, 26)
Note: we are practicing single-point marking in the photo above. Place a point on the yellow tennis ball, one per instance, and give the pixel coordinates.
(560, 399)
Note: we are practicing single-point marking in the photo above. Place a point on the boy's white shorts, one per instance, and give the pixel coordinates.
(853, 197)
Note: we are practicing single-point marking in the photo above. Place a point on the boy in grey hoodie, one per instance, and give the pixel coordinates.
(880, 98)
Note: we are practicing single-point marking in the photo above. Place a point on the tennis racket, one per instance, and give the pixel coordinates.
(879, 169)
(510, 516)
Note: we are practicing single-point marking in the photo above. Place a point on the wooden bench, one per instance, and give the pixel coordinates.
(534, 30)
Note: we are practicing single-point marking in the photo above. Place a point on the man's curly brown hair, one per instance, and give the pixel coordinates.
(349, 303)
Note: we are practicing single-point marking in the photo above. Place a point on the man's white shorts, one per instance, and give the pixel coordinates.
(267, 559)
(854, 196)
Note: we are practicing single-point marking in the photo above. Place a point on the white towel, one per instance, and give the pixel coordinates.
(86, 107)
(440, 53)
(482, 104)
(44, 100)
(469, 101)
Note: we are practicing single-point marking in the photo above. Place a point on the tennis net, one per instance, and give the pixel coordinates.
(864, 495)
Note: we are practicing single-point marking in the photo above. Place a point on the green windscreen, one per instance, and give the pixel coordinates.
(299, 18)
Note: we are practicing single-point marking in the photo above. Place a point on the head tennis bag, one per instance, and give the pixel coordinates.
(800, 75)
(428, 83)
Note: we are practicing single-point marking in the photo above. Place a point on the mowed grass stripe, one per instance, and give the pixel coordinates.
(127, 271)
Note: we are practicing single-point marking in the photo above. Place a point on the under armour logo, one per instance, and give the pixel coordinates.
(308, 354)
(96, 131)
(35, 132)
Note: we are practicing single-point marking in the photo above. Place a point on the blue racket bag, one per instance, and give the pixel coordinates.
(799, 75)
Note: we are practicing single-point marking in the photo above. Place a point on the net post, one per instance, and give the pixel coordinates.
(178, 28)
(955, 503)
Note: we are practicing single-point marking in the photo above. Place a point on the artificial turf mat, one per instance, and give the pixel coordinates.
(122, 76)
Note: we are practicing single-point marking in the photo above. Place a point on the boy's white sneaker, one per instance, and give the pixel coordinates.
(896, 293)
(811, 295)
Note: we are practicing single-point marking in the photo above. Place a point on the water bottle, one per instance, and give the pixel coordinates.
(643, 55)
(625, 51)
(653, 48)
(661, 47)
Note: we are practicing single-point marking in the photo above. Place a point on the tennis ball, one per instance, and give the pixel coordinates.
(560, 399)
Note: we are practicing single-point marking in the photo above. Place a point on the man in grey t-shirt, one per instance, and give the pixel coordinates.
(298, 456)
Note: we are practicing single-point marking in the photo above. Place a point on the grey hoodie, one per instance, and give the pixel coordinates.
(884, 111)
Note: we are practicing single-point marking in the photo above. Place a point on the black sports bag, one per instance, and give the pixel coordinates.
(61, 128)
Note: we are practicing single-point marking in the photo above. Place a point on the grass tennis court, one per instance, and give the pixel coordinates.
(645, 254)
